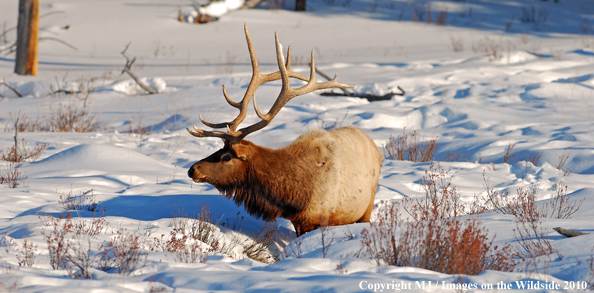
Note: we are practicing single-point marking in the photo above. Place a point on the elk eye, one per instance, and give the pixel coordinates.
(226, 158)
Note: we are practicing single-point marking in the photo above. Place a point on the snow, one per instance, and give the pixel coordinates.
(536, 93)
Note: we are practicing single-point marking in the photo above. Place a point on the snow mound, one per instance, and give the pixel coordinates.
(130, 87)
(218, 8)
(173, 123)
(515, 57)
(103, 158)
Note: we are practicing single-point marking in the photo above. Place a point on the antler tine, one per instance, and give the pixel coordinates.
(287, 93)
(242, 106)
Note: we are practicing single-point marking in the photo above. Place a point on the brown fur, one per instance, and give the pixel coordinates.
(322, 178)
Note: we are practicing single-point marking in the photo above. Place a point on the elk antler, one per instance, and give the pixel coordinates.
(287, 93)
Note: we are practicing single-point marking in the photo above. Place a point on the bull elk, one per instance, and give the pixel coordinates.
(322, 178)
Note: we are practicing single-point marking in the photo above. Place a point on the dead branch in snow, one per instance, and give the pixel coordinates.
(128, 69)
(11, 88)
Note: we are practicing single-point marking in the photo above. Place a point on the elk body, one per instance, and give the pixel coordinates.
(324, 178)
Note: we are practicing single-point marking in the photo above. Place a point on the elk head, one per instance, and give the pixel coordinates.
(228, 166)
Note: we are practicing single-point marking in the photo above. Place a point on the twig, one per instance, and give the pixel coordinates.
(59, 41)
(12, 89)
(128, 69)
(16, 140)
(9, 49)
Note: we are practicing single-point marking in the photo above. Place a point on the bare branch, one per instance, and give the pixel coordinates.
(11, 88)
(128, 69)
(59, 41)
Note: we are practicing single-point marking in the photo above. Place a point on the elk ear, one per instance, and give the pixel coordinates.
(241, 151)
(321, 155)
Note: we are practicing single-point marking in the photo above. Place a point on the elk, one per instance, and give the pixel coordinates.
(323, 178)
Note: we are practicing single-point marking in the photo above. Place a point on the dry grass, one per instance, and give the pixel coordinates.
(84, 201)
(457, 43)
(63, 117)
(491, 48)
(411, 147)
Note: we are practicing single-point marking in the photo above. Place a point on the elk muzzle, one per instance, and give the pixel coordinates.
(194, 173)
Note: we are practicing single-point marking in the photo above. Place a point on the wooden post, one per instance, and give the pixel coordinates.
(27, 38)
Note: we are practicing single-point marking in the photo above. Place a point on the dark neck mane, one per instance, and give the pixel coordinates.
(277, 184)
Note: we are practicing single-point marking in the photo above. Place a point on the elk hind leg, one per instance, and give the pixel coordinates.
(367, 215)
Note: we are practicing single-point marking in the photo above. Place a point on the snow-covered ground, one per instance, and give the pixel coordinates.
(482, 82)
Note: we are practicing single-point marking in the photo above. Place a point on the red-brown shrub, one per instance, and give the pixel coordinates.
(525, 207)
(441, 200)
(56, 239)
(451, 246)
(10, 175)
(23, 153)
(123, 253)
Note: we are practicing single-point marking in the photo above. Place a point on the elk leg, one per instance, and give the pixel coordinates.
(367, 215)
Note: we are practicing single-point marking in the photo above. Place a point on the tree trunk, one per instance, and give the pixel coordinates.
(27, 38)
(300, 5)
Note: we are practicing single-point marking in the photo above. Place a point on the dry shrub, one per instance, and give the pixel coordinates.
(531, 238)
(183, 248)
(509, 155)
(535, 157)
(66, 117)
(561, 205)
(525, 207)
(421, 12)
(10, 175)
(442, 16)
(26, 255)
(258, 248)
(441, 200)
(63, 237)
(410, 147)
(122, 253)
(562, 160)
(293, 249)
(451, 246)
(536, 16)
(204, 228)
(156, 286)
(491, 48)
(57, 240)
(79, 260)
(85, 201)
(23, 153)
(457, 43)
(91, 227)
(591, 262)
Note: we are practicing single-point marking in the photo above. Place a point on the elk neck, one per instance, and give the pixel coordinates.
(279, 181)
